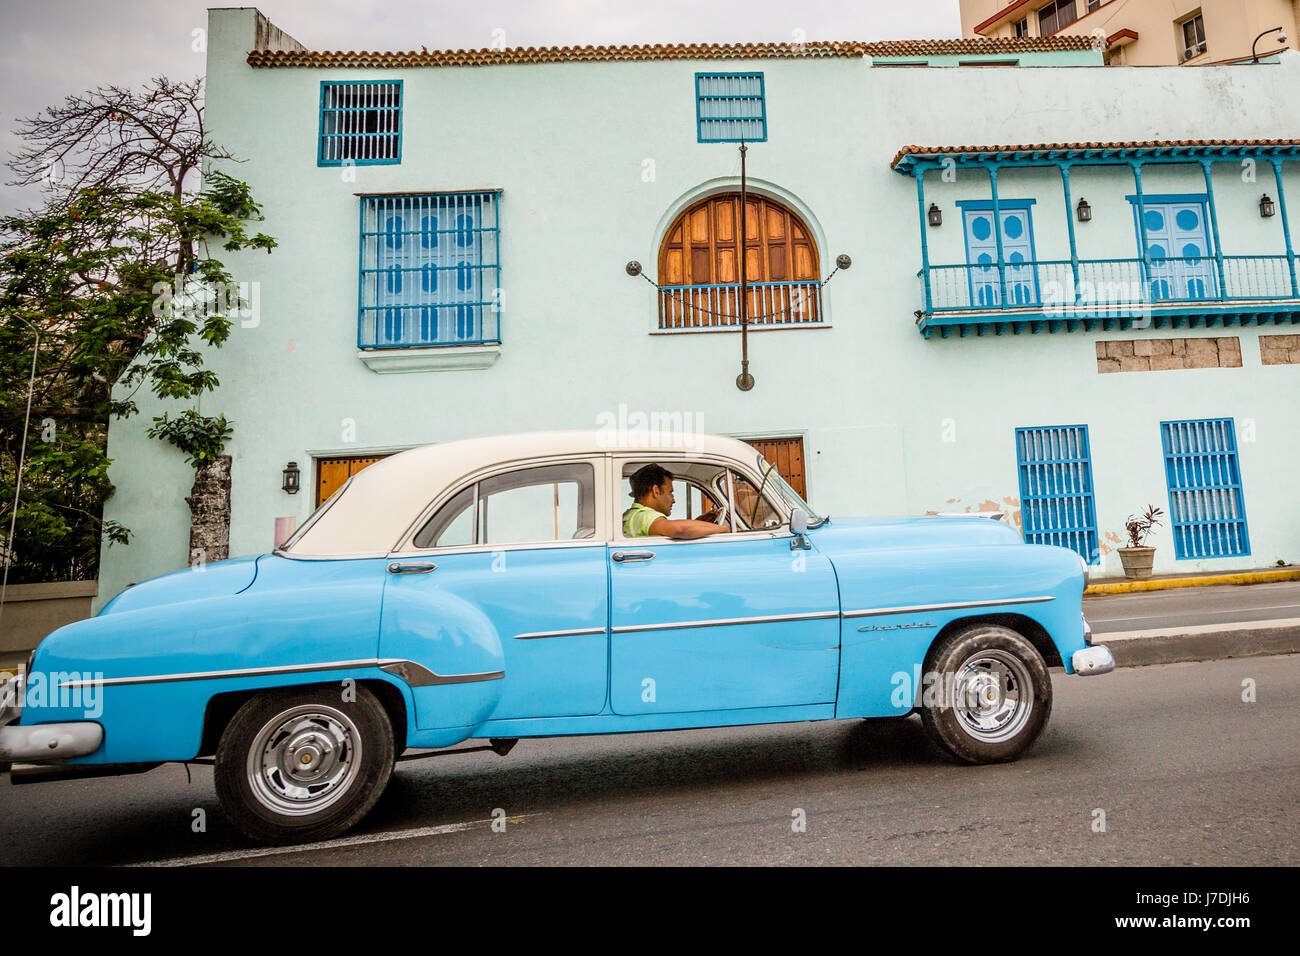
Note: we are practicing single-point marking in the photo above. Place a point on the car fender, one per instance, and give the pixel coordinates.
(895, 604)
(457, 652)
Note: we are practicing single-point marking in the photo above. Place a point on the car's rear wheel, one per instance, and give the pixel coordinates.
(304, 764)
(987, 694)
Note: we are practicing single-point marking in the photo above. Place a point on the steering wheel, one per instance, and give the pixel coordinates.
(717, 516)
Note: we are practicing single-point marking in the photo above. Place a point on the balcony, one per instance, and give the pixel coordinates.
(1064, 295)
(1004, 289)
(716, 307)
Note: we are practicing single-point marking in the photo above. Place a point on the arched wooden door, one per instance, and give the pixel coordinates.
(699, 269)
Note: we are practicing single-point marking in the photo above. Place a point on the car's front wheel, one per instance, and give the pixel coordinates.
(986, 695)
(304, 764)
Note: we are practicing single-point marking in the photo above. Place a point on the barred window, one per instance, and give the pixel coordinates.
(1056, 496)
(730, 107)
(360, 122)
(430, 270)
(1204, 480)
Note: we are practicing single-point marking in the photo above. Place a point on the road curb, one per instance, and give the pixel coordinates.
(1209, 642)
(1200, 581)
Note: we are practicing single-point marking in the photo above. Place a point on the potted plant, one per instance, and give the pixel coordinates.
(1137, 557)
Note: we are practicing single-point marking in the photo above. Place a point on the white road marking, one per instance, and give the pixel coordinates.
(1238, 610)
(1108, 637)
(361, 840)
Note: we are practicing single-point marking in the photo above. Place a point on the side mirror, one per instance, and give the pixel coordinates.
(798, 525)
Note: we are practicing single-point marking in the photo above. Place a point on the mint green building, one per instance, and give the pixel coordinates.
(980, 275)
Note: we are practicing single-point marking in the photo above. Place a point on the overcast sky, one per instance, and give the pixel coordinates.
(50, 48)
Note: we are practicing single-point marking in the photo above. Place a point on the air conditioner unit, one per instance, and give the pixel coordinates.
(1192, 51)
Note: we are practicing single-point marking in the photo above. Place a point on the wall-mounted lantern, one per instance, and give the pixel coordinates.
(291, 478)
(1266, 207)
(934, 216)
(1083, 210)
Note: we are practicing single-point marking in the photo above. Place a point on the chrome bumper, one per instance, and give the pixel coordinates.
(1096, 659)
(43, 742)
(40, 742)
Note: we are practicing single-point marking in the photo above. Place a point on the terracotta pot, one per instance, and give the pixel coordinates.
(1137, 561)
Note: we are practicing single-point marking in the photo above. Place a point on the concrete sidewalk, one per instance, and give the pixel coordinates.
(1205, 642)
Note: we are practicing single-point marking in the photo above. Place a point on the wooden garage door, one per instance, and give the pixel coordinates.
(331, 473)
(787, 455)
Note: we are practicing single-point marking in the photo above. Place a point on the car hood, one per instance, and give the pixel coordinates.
(190, 584)
(841, 534)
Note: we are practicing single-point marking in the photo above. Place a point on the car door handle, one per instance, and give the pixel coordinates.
(624, 556)
(423, 567)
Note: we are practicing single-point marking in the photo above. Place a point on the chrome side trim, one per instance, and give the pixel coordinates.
(955, 605)
(395, 667)
(570, 632)
(725, 622)
(417, 675)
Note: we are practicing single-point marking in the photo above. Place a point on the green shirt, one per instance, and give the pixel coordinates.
(638, 519)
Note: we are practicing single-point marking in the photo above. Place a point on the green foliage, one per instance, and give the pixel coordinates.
(200, 438)
(1139, 527)
(117, 272)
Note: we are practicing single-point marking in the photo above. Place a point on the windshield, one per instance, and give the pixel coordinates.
(774, 481)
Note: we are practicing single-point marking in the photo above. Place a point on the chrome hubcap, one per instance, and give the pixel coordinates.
(993, 695)
(304, 760)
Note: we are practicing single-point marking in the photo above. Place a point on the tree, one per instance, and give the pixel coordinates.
(116, 276)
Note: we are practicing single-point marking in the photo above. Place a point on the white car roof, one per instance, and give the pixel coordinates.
(382, 501)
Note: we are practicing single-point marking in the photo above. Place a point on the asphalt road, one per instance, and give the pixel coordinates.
(1186, 772)
(1185, 607)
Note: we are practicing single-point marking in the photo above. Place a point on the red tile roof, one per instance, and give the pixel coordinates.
(671, 51)
(1058, 147)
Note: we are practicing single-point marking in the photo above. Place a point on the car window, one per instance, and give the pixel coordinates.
(547, 503)
(453, 525)
(693, 499)
(700, 486)
(752, 511)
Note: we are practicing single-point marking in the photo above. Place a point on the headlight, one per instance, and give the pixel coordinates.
(11, 699)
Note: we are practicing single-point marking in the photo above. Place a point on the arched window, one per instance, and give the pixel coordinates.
(699, 271)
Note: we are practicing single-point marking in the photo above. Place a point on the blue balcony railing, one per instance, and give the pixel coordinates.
(1102, 286)
(717, 306)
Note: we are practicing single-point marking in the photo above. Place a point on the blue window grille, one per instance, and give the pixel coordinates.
(730, 107)
(430, 270)
(360, 123)
(1056, 495)
(1204, 479)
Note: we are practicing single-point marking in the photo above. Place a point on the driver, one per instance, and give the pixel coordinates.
(652, 491)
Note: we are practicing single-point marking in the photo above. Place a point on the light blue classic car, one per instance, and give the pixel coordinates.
(483, 590)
